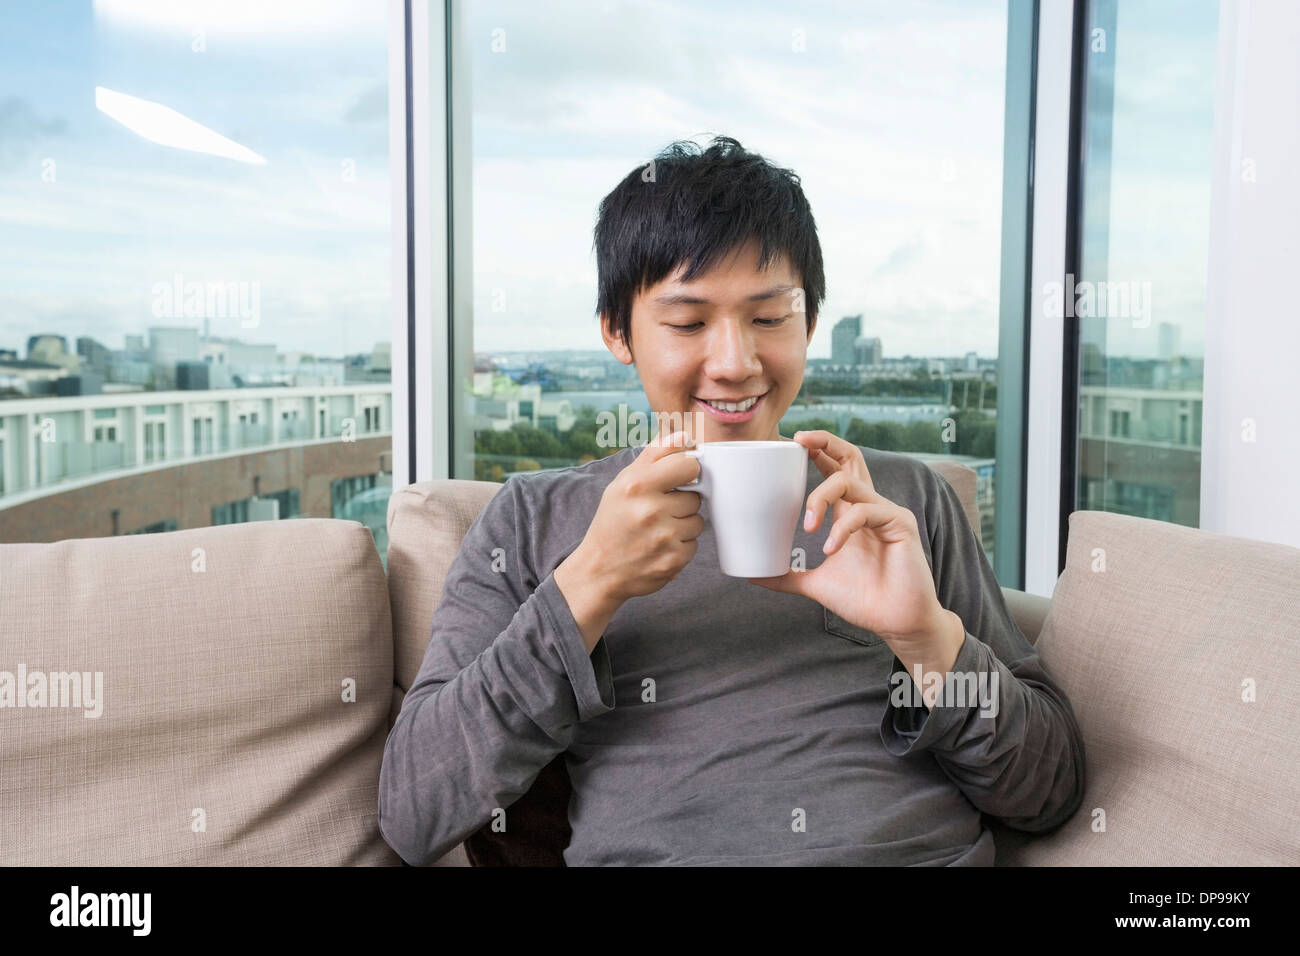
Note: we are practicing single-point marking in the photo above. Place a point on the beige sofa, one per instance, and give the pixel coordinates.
(250, 674)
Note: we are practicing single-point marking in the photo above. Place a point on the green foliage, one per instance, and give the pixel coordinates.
(525, 448)
(920, 386)
(809, 425)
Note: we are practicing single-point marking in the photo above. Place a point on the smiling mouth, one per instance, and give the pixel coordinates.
(732, 407)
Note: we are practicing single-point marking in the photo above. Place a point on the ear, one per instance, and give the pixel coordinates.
(617, 347)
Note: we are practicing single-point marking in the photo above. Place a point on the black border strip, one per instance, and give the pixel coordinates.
(1070, 333)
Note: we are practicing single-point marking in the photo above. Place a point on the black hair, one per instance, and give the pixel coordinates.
(694, 207)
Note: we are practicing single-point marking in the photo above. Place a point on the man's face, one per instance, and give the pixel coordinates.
(731, 334)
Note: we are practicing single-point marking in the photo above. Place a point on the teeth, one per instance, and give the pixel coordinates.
(733, 406)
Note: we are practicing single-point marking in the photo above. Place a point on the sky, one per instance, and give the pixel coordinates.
(302, 84)
(890, 112)
(891, 115)
(1162, 145)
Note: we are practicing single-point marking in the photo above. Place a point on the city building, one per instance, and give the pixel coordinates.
(26, 377)
(167, 346)
(1140, 450)
(1167, 346)
(867, 351)
(498, 404)
(93, 354)
(844, 339)
(114, 464)
(52, 350)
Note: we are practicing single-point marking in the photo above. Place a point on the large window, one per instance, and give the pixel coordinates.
(194, 262)
(892, 115)
(1140, 296)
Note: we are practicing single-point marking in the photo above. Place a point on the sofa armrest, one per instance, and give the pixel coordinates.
(1029, 611)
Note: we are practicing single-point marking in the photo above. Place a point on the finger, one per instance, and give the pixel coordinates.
(672, 472)
(863, 515)
(653, 455)
(845, 455)
(825, 494)
(829, 442)
(840, 486)
(690, 528)
(792, 582)
(824, 462)
(683, 504)
(664, 445)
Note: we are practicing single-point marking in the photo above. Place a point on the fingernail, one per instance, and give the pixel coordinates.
(830, 543)
(808, 520)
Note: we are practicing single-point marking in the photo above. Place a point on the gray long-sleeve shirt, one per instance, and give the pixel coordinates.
(716, 721)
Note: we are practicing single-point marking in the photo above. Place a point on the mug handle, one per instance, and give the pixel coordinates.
(697, 485)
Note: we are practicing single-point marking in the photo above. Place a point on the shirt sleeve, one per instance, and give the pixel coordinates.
(504, 680)
(1002, 729)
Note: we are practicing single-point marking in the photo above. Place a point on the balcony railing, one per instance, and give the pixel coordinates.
(63, 463)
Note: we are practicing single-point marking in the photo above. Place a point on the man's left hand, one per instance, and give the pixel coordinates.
(875, 574)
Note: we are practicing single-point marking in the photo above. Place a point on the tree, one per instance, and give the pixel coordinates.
(812, 425)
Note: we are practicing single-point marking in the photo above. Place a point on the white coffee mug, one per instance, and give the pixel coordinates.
(755, 491)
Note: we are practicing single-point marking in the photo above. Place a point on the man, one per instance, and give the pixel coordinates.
(863, 711)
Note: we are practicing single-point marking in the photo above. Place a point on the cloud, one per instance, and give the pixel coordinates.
(81, 255)
(21, 128)
(371, 106)
(900, 259)
(285, 20)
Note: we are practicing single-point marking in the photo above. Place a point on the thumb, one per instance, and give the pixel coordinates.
(664, 445)
(681, 436)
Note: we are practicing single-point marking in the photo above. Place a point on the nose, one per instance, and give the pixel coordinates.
(732, 355)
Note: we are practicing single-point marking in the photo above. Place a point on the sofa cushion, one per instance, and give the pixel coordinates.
(224, 737)
(965, 482)
(1158, 633)
(426, 525)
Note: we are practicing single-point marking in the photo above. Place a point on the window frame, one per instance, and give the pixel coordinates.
(432, 269)
(1048, 472)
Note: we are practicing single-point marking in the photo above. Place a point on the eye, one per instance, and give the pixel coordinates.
(767, 322)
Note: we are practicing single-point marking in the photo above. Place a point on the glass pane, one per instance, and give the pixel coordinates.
(892, 115)
(1140, 295)
(196, 263)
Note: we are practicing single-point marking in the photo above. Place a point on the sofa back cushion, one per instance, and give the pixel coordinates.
(427, 522)
(1179, 651)
(965, 482)
(224, 735)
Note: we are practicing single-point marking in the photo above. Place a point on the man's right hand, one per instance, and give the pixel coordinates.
(643, 534)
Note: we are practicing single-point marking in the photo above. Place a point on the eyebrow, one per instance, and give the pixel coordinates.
(683, 298)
